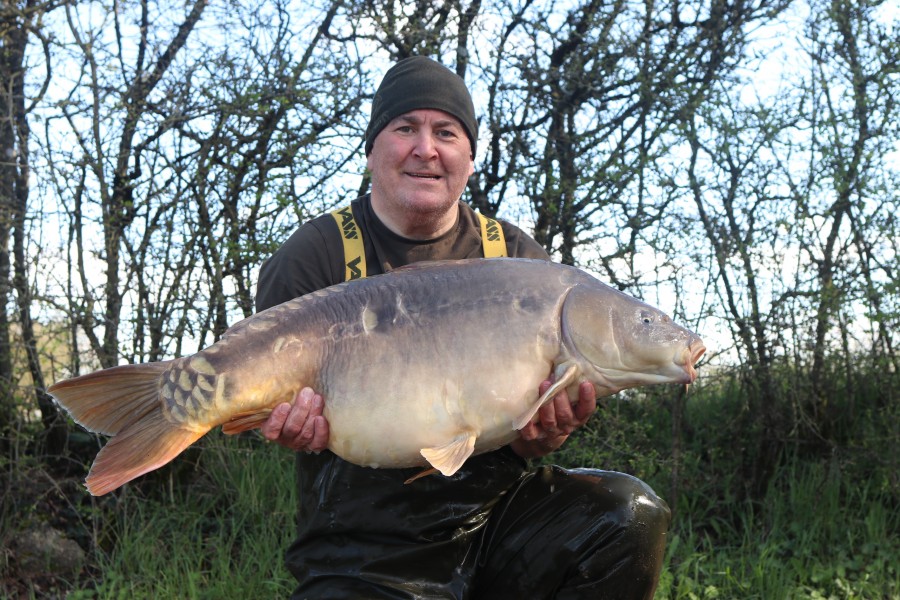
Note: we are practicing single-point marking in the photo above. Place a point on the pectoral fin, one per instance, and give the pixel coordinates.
(246, 421)
(562, 383)
(450, 457)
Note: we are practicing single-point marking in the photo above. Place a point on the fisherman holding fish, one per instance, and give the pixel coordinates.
(494, 529)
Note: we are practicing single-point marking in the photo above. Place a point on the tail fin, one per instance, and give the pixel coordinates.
(141, 447)
(124, 402)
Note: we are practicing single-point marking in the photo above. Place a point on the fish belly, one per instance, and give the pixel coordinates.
(430, 363)
(397, 407)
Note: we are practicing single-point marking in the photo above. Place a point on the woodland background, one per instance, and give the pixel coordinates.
(734, 162)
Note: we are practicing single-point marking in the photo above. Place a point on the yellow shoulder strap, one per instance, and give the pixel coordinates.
(351, 236)
(492, 237)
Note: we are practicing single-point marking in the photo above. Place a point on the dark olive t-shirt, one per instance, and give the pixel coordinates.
(313, 257)
(351, 518)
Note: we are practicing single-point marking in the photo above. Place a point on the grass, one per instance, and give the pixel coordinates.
(827, 528)
(817, 536)
(220, 536)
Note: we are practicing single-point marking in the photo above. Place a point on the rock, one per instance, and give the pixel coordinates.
(44, 550)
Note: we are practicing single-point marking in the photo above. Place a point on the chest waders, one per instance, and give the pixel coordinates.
(493, 531)
(492, 241)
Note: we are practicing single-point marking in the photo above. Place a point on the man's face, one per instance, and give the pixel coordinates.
(420, 163)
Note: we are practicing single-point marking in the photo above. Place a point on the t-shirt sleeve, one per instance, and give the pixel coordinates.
(303, 264)
(521, 245)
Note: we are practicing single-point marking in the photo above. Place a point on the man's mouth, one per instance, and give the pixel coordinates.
(428, 176)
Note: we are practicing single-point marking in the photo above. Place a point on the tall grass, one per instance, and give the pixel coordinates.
(819, 534)
(220, 536)
(827, 528)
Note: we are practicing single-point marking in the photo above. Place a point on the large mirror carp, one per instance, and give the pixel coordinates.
(425, 365)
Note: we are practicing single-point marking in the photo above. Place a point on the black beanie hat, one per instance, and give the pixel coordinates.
(415, 83)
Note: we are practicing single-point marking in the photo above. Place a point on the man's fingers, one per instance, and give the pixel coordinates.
(320, 436)
(307, 432)
(545, 385)
(271, 429)
(560, 416)
(529, 432)
(300, 425)
(296, 419)
(548, 417)
(317, 404)
(565, 418)
(587, 402)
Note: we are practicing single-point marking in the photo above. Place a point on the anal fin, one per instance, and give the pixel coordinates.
(450, 457)
(421, 474)
(146, 445)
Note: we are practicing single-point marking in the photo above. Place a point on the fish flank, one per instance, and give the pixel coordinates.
(201, 365)
(184, 381)
(188, 396)
(205, 383)
(262, 325)
(369, 319)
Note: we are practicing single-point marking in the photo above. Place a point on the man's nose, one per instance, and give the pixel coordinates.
(425, 146)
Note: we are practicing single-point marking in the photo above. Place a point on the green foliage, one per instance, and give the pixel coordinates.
(820, 535)
(221, 536)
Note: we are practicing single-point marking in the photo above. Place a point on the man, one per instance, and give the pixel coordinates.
(494, 529)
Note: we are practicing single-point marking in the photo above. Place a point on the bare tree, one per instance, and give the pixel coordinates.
(20, 25)
(268, 132)
(795, 201)
(852, 101)
(193, 155)
(180, 145)
(602, 99)
(734, 186)
(112, 170)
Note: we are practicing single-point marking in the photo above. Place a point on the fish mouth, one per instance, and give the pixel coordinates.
(692, 355)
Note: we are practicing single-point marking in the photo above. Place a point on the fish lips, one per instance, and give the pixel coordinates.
(692, 355)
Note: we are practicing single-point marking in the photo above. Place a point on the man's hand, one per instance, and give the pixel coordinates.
(299, 426)
(555, 421)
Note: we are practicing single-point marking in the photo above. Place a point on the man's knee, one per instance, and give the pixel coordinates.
(571, 533)
(625, 556)
(631, 499)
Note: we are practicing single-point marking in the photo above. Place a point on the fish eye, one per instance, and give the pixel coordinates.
(646, 318)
